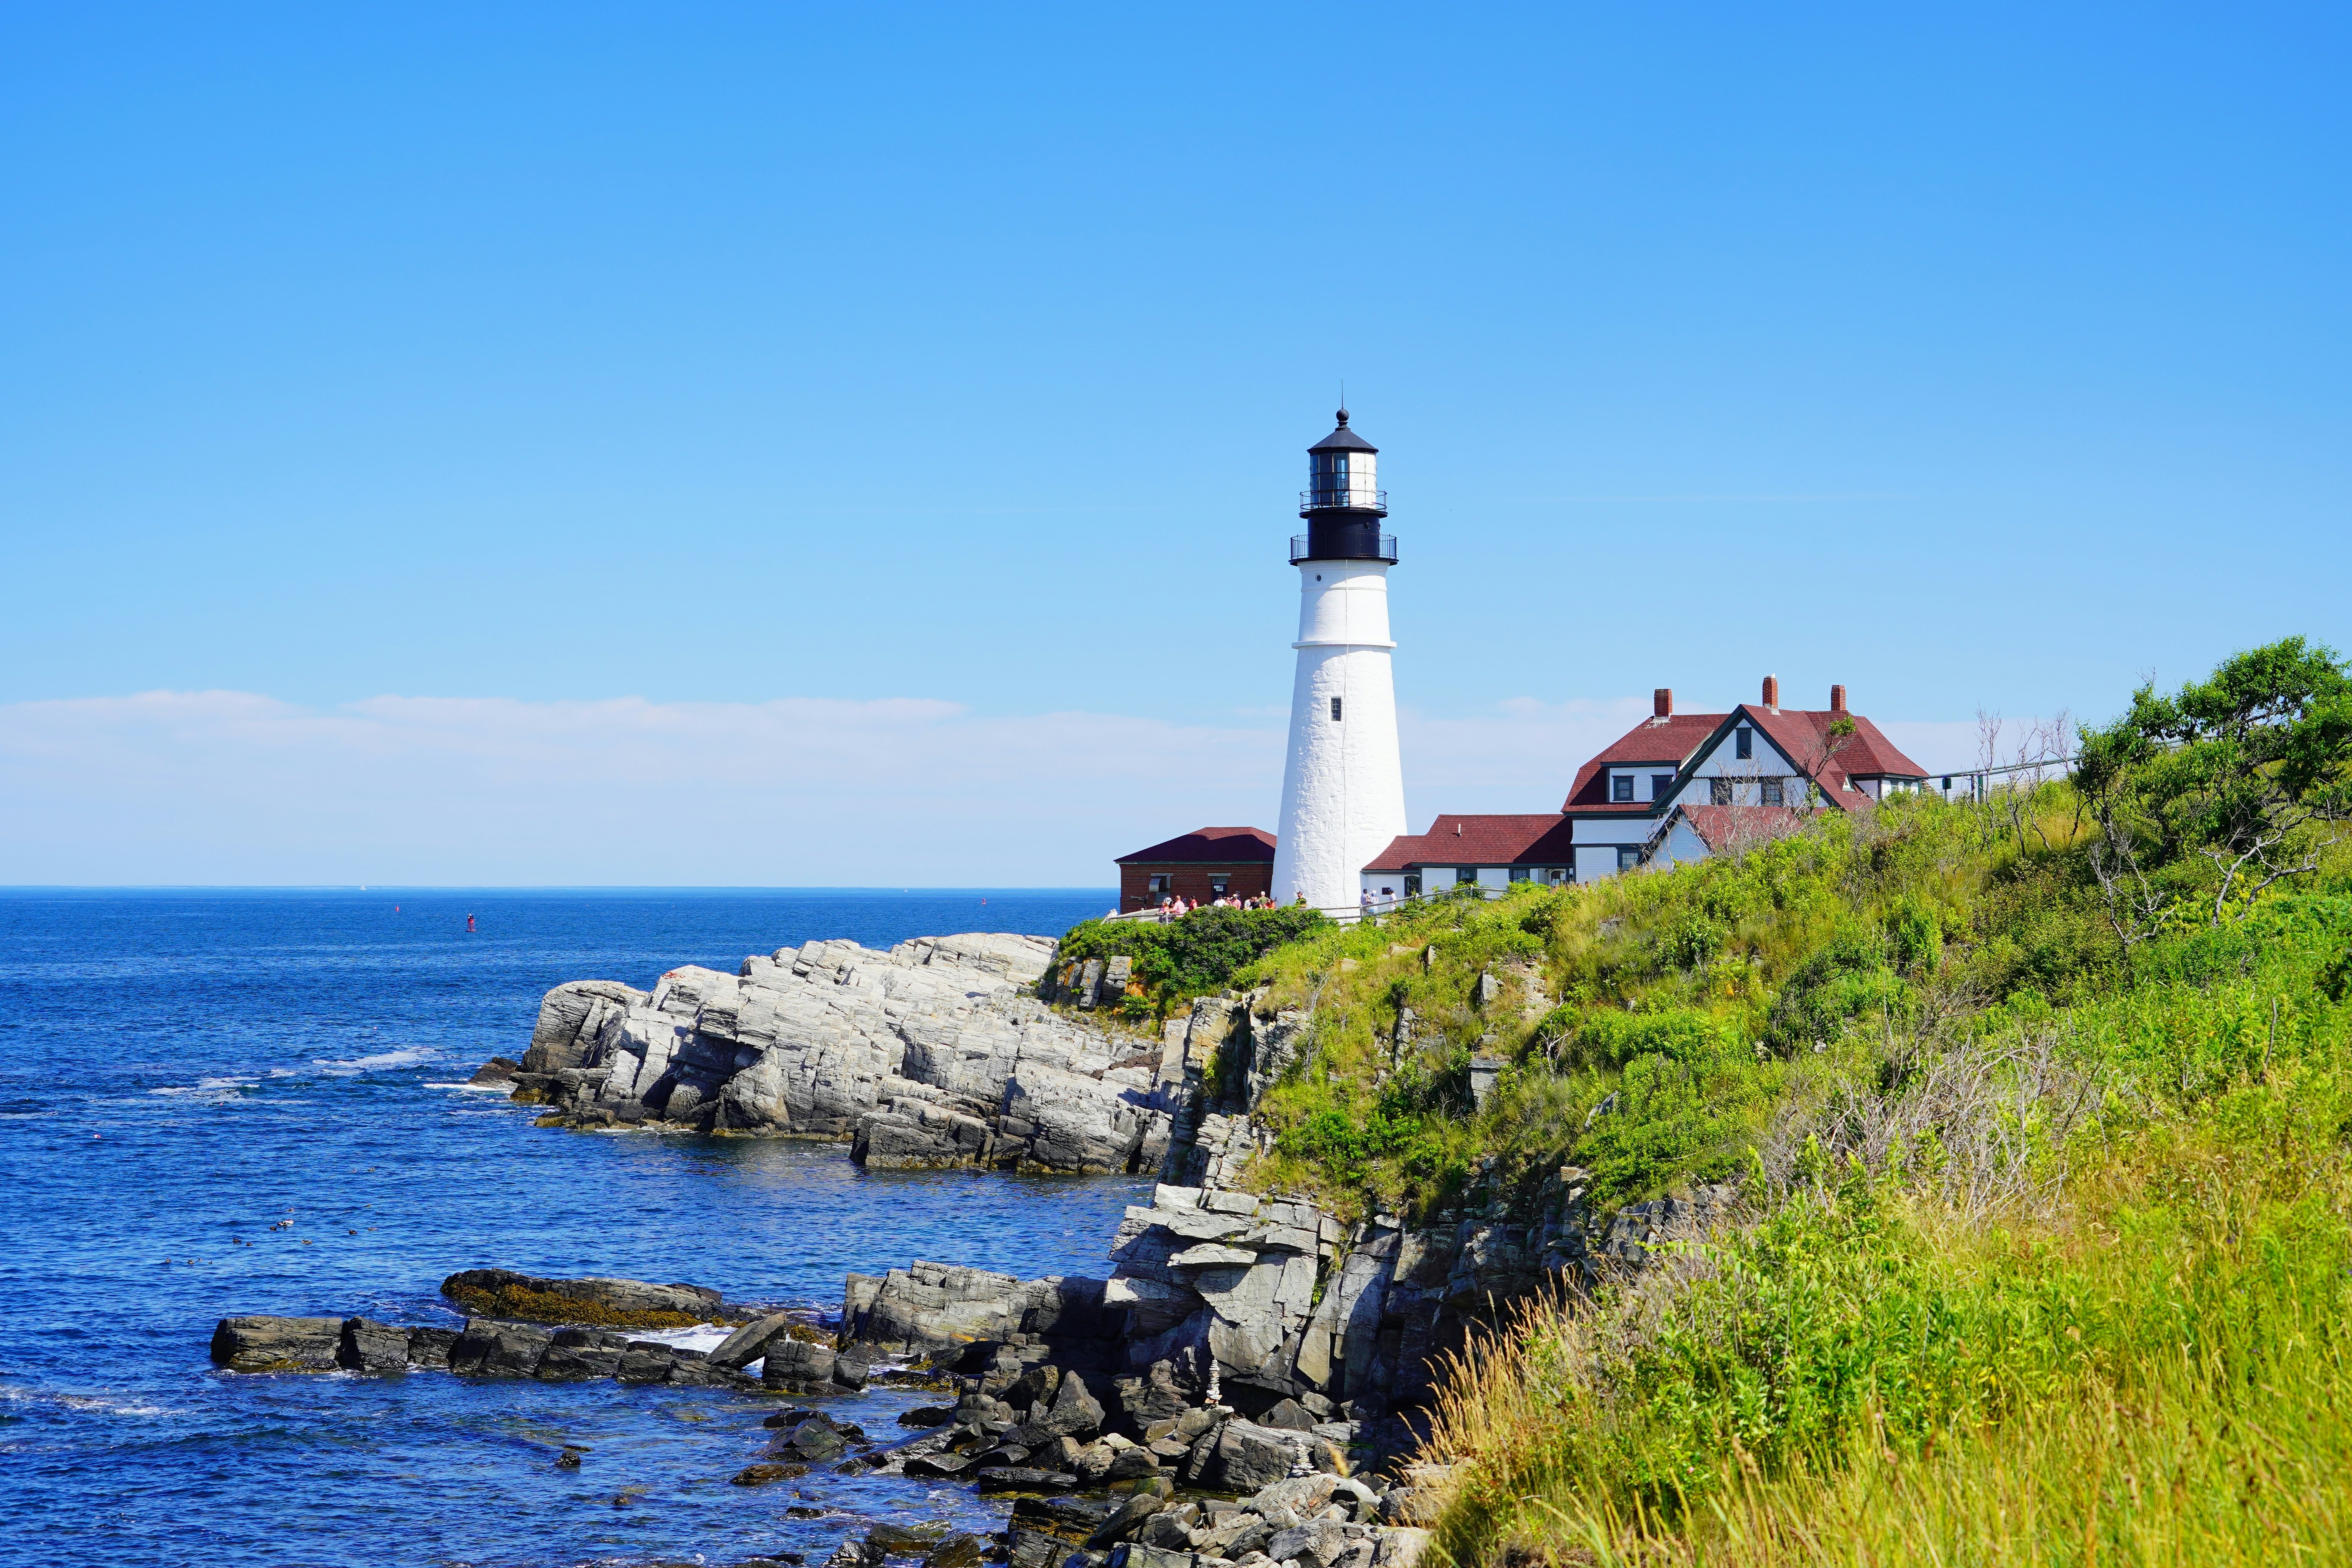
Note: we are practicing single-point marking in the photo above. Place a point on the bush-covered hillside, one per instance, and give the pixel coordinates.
(1187, 958)
(2040, 1111)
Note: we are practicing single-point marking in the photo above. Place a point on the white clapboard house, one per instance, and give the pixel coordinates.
(1678, 786)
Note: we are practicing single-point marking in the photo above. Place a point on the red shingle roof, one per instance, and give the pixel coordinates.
(1537, 839)
(1802, 734)
(1213, 846)
(1672, 742)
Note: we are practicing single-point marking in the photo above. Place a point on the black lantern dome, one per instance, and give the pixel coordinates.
(1343, 504)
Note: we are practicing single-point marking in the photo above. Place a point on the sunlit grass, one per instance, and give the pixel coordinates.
(2156, 1376)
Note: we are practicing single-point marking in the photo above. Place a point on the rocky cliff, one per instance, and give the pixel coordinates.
(1271, 1304)
(937, 1052)
(941, 1052)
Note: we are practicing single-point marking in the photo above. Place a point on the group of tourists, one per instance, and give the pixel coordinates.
(1175, 907)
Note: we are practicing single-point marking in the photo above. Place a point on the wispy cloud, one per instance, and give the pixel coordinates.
(1805, 496)
(236, 787)
(226, 786)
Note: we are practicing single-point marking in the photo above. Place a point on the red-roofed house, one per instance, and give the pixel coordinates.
(1204, 865)
(1678, 786)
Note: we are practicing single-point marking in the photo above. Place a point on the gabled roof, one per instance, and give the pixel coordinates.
(1213, 846)
(1802, 736)
(1343, 439)
(1539, 838)
(1866, 754)
(1675, 740)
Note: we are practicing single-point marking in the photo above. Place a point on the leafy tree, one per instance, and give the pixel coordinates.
(2239, 771)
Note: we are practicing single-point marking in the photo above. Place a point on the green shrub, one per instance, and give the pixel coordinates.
(1200, 954)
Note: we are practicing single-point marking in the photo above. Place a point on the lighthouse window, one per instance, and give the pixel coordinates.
(1335, 711)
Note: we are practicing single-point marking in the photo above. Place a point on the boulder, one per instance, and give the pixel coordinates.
(1399, 1547)
(1316, 1544)
(278, 1344)
(1304, 1496)
(431, 1347)
(903, 1540)
(1074, 1413)
(575, 1355)
(1247, 1457)
(489, 1348)
(600, 1302)
(366, 1345)
(797, 1368)
(1237, 1535)
(761, 1475)
(813, 1441)
(750, 1343)
(1022, 1479)
(1026, 1547)
(1137, 1555)
(1132, 1463)
(961, 1550)
(646, 1361)
(1290, 1416)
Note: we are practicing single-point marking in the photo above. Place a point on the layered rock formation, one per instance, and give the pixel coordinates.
(1272, 1303)
(594, 1302)
(937, 1052)
(483, 1348)
(1239, 1340)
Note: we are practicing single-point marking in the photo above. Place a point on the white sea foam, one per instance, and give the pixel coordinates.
(476, 1088)
(701, 1337)
(81, 1404)
(210, 1088)
(401, 1058)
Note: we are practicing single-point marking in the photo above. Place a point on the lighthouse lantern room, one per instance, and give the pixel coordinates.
(1342, 785)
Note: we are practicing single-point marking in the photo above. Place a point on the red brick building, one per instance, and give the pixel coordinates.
(1202, 866)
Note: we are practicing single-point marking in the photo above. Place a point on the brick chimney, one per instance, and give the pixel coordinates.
(1772, 693)
(1837, 699)
(1662, 703)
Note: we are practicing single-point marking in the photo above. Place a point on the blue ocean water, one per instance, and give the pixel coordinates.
(182, 1071)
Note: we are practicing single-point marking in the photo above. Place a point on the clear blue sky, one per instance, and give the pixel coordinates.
(1995, 356)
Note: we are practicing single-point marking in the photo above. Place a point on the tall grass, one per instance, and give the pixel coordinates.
(2152, 1371)
(2046, 1250)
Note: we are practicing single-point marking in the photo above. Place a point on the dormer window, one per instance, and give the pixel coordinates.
(1620, 788)
(1660, 785)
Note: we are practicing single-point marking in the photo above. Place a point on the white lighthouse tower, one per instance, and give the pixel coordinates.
(1342, 785)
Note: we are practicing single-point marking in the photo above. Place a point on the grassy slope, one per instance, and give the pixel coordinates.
(2052, 1247)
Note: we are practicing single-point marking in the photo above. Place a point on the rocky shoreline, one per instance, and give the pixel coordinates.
(1241, 1387)
(937, 1053)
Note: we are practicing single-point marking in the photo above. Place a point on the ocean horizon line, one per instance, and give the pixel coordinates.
(609, 888)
